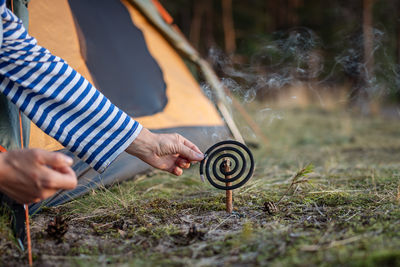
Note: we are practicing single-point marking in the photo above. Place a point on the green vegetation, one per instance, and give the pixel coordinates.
(343, 210)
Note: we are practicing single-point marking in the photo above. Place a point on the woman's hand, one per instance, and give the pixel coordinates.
(168, 152)
(30, 175)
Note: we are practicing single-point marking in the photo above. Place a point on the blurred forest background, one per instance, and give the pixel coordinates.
(261, 48)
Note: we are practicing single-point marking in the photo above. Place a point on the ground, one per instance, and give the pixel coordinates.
(346, 212)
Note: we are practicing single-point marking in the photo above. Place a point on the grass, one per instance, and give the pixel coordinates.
(344, 211)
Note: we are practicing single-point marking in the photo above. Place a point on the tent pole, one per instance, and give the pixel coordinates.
(182, 45)
(217, 86)
(229, 121)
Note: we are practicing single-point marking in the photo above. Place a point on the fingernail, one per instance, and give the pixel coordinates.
(68, 160)
(200, 155)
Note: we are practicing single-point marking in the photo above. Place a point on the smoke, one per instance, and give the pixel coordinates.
(268, 115)
(298, 57)
(292, 56)
(353, 63)
(208, 91)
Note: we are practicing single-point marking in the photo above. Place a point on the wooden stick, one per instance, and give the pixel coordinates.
(28, 231)
(229, 121)
(28, 235)
(229, 205)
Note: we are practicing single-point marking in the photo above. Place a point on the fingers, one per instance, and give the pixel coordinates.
(43, 195)
(188, 150)
(54, 180)
(177, 171)
(188, 153)
(65, 170)
(182, 163)
(53, 159)
(62, 178)
(168, 152)
(191, 145)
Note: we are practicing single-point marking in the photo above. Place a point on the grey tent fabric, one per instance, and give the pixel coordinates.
(21, 10)
(10, 137)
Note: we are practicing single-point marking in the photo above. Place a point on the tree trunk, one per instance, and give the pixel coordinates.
(195, 27)
(368, 38)
(291, 13)
(294, 16)
(209, 21)
(398, 33)
(229, 29)
(272, 10)
(283, 14)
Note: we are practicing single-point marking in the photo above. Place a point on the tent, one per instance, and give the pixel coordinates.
(133, 54)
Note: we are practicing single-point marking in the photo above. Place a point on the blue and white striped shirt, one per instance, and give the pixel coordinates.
(59, 100)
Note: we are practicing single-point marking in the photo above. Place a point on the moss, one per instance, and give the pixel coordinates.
(83, 250)
(332, 199)
(381, 258)
(247, 231)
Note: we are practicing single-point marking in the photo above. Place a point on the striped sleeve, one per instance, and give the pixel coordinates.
(59, 100)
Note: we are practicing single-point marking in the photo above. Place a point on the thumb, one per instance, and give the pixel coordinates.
(189, 154)
(55, 159)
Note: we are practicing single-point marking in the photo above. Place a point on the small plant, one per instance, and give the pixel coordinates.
(298, 178)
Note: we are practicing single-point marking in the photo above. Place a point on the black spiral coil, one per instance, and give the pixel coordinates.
(239, 156)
